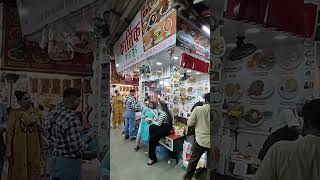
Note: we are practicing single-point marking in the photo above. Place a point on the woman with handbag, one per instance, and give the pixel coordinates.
(25, 140)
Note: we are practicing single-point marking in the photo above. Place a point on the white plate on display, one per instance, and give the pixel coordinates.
(231, 66)
(260, 89)
(288, 88)
(232, 91)
(291, 62)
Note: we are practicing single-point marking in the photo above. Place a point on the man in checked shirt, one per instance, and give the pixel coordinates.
(130, 116)
(63, 131)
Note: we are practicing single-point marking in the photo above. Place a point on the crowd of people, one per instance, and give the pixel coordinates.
(50, 147)
(156, 122)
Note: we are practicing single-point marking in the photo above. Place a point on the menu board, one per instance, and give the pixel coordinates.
(158, 22)
(152, 30)
(264, 84)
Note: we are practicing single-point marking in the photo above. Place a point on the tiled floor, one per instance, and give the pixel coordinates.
(128, 164)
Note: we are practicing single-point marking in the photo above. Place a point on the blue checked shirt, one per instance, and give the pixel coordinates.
(63, 128)
(129, 103)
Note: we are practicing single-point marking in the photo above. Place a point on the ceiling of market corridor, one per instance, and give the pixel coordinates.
(120, 14)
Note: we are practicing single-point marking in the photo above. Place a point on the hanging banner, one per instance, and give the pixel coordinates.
(35, 14)
(151, 31)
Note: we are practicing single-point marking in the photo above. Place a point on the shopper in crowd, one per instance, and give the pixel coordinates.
(159, 128)
(196, 105)
(25, 139)
(3, 127)
(289, 131)
(148, 114)
(147, 98)
(200, 118)
(130, 116)
(296, 160)
(63, 129)
(117, 110)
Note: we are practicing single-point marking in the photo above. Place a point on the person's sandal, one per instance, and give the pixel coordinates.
(137, 148)
(151, 162)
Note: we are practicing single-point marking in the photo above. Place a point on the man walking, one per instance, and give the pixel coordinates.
(130, 116)
(200, 118)
(63, 128)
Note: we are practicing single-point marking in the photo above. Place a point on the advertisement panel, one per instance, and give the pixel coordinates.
(151, 31)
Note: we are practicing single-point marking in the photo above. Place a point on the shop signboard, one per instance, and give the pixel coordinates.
(151, 31)
(35, 14)
(192, 39)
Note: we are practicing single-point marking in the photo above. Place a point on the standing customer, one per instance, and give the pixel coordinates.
(130, 116)
(296, 160)
(24, 140)
(63, 128)
(117, 110)
(159, 128)
(3, 127)
(147, 114)
(200, 118)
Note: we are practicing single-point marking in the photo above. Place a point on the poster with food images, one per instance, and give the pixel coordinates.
(58, 55)
(266, 82)
(258, 87)
(160, 31)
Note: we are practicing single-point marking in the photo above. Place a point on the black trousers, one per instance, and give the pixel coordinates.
(156, 133)
(197, 152)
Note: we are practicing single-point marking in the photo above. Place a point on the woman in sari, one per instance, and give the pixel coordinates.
(117, 110)
(24, 141)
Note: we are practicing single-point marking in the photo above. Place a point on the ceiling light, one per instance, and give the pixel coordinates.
(206, 29)
(117, 65)
(189, 71)
(159, 63)
(197, 73)
(252, 30)
(175, 58)
(280, 37)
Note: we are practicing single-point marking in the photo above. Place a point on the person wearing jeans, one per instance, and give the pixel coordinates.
(130, 116)
(200, 118)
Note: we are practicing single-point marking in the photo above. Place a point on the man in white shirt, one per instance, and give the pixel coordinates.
(296, 160)
(200, 118)
(291, 126)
